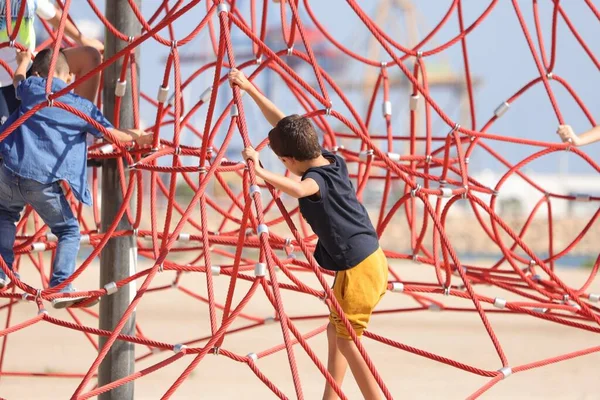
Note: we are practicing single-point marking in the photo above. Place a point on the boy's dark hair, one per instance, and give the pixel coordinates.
(41, 63)
(294, 136)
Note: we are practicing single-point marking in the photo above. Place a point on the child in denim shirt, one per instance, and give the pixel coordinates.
(46, 149)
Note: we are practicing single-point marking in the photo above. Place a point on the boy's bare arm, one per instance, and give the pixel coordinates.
(72, 32)
(23, 60)
(296, 189)
(128, 135)
(566, 133)
(269, 110)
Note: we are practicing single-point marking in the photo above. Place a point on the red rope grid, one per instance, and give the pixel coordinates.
(433, 180)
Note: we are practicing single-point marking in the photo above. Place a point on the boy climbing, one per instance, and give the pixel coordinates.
(348, 243)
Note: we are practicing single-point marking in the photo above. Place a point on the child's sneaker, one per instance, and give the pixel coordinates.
(64, 302)
(4, 280)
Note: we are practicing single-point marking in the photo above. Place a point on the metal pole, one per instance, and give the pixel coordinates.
(119, 257)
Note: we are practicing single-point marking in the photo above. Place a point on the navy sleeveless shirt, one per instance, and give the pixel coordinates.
(340, 221)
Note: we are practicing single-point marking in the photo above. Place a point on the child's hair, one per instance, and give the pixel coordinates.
(294, 136)
(41, 63)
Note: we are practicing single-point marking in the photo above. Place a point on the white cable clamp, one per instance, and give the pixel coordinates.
(428, 159)
(582, 197)
(184, 237)
(84, 239)
(222, 7)
(107, 148)
(419, 54)
(446, 192)
(51, 237)
(549, 75)
(540, 310)
(39, 246)
(43, 311)
(269, 320)
(254, 189)
(386, 108)
(249, 232)
(178, 348)
(414, 102)
(205, 96)
(397, 287)
(290, 51)
(447, 290)
(120, 88)
(260, 269)
(111, 288)
(11, 43)
(501, 109)
(252, 356)
(467, 159)
(414, 191)
(394, 156)
(364, 155)
(466, 192)
(235, 112)
(163, 94)
(215, 270)
(505, 371)
(593, 297)
(262, 228)
(499, 302)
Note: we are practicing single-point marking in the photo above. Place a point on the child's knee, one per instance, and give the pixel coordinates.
(92, 55)
(83, 58)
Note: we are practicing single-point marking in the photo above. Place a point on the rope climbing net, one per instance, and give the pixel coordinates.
(260, 238)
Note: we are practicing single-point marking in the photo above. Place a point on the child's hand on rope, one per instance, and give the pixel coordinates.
(567, 135)
(250, 154)
(23, 57)
(144, 139)
(237, 77)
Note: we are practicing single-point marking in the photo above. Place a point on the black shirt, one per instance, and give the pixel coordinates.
(340, 221)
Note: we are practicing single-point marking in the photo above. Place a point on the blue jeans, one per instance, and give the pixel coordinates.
(49, 201)
(8, 102)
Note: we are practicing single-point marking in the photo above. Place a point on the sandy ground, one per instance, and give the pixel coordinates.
(174, 317)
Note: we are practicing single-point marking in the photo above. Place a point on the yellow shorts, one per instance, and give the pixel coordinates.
(358, 290)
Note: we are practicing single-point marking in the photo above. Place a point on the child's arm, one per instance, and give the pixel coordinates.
(23, 60)
(269, 110)
(127, 135)
(566, 132)
(296, 189)
(72, 32)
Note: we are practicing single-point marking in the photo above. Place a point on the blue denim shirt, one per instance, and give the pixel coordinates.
(51, 145)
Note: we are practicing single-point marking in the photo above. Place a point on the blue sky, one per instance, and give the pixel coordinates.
(499, 56)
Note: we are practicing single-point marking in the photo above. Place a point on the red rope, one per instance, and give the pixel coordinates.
(432, 164)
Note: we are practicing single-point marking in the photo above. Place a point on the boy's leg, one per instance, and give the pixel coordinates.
(365, 380)
(358, 292)
(50, 203)
(81, 61)
(336, 363)
(11, 206)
